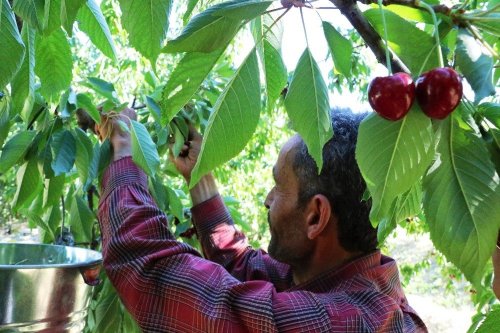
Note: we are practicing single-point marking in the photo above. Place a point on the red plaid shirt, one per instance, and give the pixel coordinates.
(169, 287)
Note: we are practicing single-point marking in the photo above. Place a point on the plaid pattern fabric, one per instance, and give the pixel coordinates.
(169, 287)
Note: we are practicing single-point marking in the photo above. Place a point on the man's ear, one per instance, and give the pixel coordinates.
(318, 215)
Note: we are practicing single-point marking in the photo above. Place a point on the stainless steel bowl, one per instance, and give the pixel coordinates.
(45, 288)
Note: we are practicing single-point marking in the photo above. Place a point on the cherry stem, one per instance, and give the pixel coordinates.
(436, 29)
(316, 11)
(304, 26)
(477, 36)
(271, 26)
(384, 23)
(273, 10)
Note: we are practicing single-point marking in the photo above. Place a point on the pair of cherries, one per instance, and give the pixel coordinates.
(438, 93)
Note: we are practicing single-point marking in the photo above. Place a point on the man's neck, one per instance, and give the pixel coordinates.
(319, 264)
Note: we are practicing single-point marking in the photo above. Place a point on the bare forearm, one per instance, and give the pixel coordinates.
(205, 189)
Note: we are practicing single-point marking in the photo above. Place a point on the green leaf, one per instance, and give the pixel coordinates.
(5, 122)
(308, 106)
(102, 159)
(85, 102)
(491, 111)
(31, 12)
(461, 201)
(81, 221)
(146, 22)
(489, 23)
(84, 154)
(93, 166)
(274, 30)
(15, 149)
(52, 16)
(411, 44)
(29, 184)
(11, 45)
(393, 156)
(492, 321)
(411, 13)
(159, 192)
(154, 108)
(108, 312)
(189, 10)
(64, 152)
(144, 151)
(53, 64)
(53, 190)
(175, 204)
(406, 205)
(54, 216)
(102, 87)
(23, 84)
(233, 120)
(340, 47)
(276, 73)
(184, 81)
(93, 23)
(179, 140)
(242, 10)
(215, 27)
(129, 325)
(476, 66)
(69, 11)
(42, 224)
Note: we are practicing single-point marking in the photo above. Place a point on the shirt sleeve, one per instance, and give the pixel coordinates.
(166, 285)
(224, 244)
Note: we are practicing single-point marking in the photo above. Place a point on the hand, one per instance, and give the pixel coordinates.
(188, 155)
(110, 128)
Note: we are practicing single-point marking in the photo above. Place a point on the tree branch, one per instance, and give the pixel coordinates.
(351, 11)
(443, 9)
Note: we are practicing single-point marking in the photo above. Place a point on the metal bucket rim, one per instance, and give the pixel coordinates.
(97, 260)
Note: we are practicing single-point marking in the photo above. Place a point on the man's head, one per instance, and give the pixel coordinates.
(301, 195)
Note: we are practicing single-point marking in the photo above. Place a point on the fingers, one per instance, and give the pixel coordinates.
(108, 126)
(193, 134)
(129, 113)
(185, 149)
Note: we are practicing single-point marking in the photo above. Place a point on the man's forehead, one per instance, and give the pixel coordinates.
(286, 154)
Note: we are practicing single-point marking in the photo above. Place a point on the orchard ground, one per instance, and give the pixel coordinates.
(442, 311)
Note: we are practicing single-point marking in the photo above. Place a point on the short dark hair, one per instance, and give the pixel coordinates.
(340, 181)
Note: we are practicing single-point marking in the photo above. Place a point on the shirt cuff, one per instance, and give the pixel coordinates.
(210, 213)
(122, 172)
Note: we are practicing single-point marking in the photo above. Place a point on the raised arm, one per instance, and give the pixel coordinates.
(167, 286)
(221, 241)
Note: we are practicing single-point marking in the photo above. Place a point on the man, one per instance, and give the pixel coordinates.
(323, 272)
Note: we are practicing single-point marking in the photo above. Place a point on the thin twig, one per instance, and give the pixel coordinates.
(481, 39)
(304, 26)
(273, 10)
(443, 9)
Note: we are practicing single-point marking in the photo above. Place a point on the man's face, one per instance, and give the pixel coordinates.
(289, 242)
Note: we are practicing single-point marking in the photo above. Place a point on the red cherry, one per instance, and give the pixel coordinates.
(392, 96)
(91, 275)
(439, 91)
